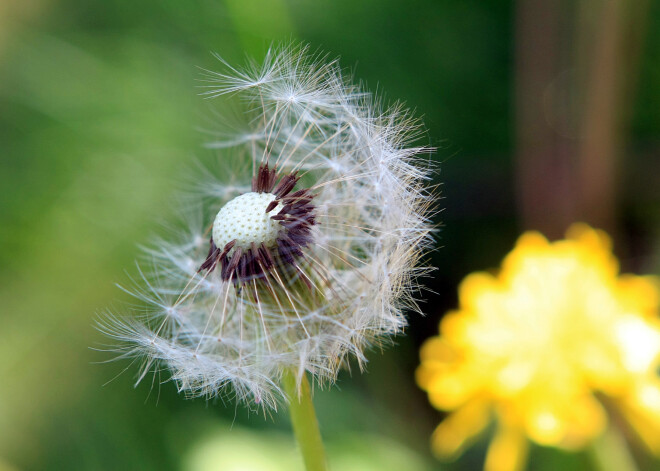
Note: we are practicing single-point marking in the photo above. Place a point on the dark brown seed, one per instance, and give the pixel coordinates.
(211, 259)
(266, 256)
(271, 206)
(233, 263)
(228, 246)
(286, 184)
(264, 180)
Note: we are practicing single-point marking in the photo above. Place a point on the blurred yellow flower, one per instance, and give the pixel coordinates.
(547, 347)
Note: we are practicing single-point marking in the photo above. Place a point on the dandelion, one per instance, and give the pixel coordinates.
(549, 347)
(306, 246)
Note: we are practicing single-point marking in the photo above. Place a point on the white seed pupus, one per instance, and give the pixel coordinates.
(244, 219)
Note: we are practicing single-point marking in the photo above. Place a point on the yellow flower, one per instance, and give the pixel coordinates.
(546, 348)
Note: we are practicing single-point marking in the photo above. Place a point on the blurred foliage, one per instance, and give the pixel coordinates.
(99, 117)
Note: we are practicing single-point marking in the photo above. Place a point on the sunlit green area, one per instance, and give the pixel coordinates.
(99, 119)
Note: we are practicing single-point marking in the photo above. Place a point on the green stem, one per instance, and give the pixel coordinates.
(305, 425)
(610, 452)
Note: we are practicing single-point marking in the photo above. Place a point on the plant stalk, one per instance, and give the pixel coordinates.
(305, 425)
(610, 452)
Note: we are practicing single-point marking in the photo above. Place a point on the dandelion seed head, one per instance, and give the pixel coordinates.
(245, 220)
(316, 235)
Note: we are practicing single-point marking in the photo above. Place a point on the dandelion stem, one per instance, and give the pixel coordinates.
(610, 452)
(305, 425)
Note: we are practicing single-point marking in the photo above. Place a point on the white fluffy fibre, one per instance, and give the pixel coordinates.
(372, 227)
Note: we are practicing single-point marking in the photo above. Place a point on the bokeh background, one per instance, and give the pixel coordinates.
(543, 113)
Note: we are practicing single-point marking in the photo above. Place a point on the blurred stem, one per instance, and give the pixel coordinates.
(610, 452)
(305, 425)
(601, 130)
(576, 67)
(545, 195)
